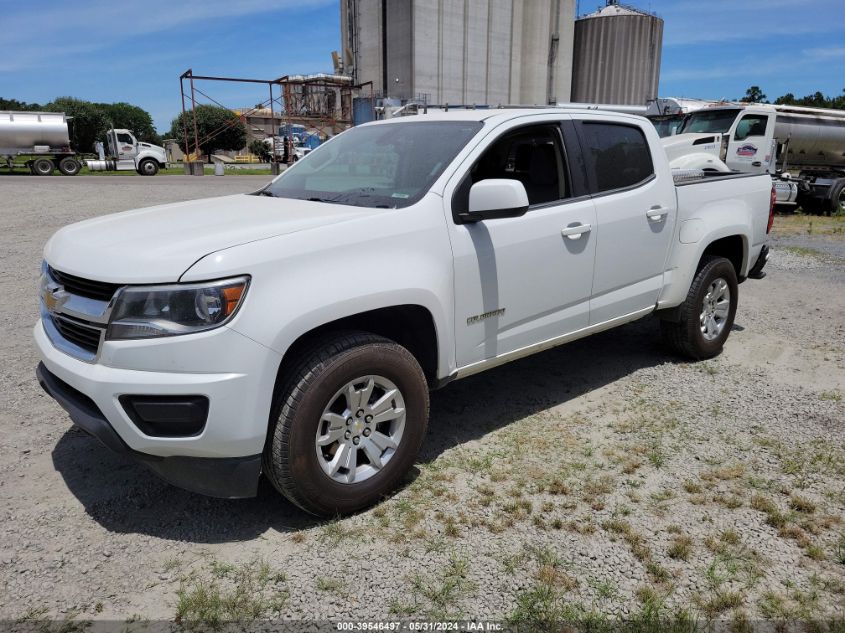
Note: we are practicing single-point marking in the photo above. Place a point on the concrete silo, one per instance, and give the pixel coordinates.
(461, 51)
(616, 57)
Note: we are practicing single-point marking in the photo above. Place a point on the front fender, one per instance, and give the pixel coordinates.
(303, 280)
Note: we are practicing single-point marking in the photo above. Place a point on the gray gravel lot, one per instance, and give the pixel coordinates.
(601, 478)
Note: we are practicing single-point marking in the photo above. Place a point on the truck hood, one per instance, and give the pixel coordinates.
(684, 143)
(158, 244)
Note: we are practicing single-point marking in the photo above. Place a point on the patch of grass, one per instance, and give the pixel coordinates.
(680, 548)
(835, 396)
(692, 487)
(242, 594)
(720, 602)
(802, 504)
(330, 585)
(335, 531)
(803, 251)
(443, 591)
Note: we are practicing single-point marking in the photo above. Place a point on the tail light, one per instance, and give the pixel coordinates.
(772, 199)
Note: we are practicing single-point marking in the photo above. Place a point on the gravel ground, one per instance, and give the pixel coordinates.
(598, 479)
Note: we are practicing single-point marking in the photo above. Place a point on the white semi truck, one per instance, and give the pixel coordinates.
(802, 148)
(40, 141)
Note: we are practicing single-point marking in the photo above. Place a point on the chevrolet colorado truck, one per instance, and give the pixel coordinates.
(297, 331)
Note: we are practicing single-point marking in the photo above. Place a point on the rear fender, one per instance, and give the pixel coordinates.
(712, 222)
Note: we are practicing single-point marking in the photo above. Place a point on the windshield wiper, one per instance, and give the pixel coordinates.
(265, 192)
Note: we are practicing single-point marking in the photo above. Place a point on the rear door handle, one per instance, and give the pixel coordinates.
(656, 213)
(575, 232)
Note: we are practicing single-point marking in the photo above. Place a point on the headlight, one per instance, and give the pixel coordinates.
(151, 311)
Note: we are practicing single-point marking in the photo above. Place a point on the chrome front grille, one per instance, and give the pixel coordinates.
(75, 312)
(85, 335)
(99, 290)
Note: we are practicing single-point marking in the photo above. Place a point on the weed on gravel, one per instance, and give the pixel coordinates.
(229, 593)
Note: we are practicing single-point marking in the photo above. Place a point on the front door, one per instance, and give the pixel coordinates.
(521, 281)
(750, 144)
(126, 145)
(635, 210)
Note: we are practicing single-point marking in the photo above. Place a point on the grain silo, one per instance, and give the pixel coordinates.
(616, 58)
(461, 51)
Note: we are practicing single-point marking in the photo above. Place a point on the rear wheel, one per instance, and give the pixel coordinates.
(707, 314)
(42, 167)
(347, 424)
(148, 167)
(838, 198)
(69, 166)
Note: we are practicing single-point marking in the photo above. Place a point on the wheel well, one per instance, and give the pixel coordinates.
(731, 248)
(411, 326)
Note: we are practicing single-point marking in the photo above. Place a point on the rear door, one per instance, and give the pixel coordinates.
(635, 213)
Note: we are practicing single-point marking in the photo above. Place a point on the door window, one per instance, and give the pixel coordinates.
(617, 155)
(751, 125)
(531, 155)
(124, 138)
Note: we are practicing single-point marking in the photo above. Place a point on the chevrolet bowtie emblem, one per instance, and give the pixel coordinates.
(53, 296)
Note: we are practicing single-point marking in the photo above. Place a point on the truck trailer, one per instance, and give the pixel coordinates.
(803, 149)
(40, 141)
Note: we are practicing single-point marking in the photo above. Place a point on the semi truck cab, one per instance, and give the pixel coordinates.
(126, 153)
(725, 139)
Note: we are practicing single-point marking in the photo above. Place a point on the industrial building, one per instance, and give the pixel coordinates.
(617, 56)
(461, 51)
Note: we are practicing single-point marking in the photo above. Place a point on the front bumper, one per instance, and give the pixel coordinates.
(235, 373)
(227, 477)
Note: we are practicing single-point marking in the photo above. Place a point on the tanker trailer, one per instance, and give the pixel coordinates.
(802, 148)
(38, 140)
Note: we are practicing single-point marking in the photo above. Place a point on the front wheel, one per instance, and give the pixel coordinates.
(148, 167)
(346, 424)
(707, 314)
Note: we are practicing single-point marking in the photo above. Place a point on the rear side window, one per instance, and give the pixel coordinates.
(617, 155)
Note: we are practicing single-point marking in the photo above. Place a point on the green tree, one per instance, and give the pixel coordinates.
(14, 104)
(754, 95)
(217, 129)
(260, 149)
(88, 122)
(131, 117)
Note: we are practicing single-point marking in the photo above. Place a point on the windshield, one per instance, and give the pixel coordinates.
(709, 121)
(667, 126)
(387, 166)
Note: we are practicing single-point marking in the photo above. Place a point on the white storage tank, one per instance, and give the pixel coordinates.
(616, 58)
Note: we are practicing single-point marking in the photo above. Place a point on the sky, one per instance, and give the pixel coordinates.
(116, 50)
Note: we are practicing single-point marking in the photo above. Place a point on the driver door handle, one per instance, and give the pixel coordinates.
(575, 232)
(657, 213)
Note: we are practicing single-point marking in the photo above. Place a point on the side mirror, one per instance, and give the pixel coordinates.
(494, 199)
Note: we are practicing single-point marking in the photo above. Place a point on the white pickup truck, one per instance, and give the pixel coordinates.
(296, 331)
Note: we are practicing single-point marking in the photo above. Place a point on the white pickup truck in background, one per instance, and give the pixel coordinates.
(296, 332)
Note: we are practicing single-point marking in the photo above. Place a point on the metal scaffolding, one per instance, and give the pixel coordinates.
(320, 102)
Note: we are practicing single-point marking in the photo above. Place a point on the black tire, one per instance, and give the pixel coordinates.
(685, 336)
(837, 198)
(69, 166)
(42, 167)
(290, 456)
(148, 167)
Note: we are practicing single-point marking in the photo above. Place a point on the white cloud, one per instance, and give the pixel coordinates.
(828, 52)
(71, 28)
